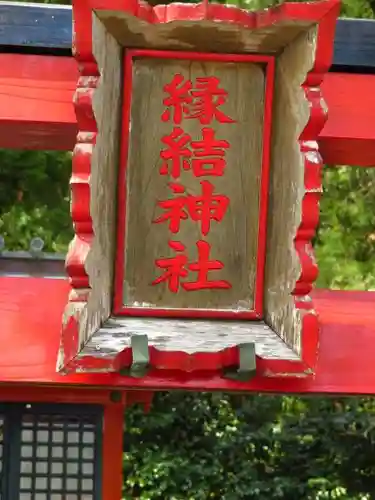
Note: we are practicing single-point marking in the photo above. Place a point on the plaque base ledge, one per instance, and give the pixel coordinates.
(186, 335)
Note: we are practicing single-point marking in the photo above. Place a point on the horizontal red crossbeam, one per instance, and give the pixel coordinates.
(30, 343)
(37, 112)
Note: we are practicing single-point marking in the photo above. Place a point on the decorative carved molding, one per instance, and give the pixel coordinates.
(90, 258)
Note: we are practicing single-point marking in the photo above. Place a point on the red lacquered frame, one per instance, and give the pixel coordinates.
(257, 312)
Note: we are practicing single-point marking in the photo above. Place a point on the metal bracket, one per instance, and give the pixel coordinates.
(246, 368)
(140, 358)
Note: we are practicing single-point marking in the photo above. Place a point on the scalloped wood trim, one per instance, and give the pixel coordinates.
(90, 258)
(299, 115)
(294, 193)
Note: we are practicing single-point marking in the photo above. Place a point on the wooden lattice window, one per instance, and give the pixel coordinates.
(50, 452)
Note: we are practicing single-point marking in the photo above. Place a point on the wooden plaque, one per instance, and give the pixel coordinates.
(193, 184)
(195, 201)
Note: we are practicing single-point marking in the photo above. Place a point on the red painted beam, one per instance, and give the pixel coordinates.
(31, 309)
(36, 109)
(36, 102)
(348, 137)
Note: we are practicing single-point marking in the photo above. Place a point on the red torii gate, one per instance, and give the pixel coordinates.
(37, 113)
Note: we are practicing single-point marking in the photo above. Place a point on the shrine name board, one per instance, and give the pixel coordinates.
(193, 219)
(192, 185)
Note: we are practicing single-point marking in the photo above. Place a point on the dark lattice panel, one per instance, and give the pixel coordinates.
(55, 453)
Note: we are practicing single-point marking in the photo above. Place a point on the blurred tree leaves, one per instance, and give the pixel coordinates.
(252, 447)
(345, 245)
(34, 199)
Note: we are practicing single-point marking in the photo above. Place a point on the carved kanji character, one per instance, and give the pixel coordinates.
(207, 157)
(207, 99)
(177, 267)
(174, 208)
(201, 102)
(177, 152)
(207, 207)
(178, 100)
(203, 266)
(209, 154)
(174, 266)
(202, 208)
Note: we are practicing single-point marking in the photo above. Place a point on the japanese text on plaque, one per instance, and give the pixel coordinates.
(205, 159)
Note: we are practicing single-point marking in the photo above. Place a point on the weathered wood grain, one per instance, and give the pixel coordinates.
(207, 36)
(104, 167)
(187, 336)
(233, 240)
(90, 306)
(287, 188)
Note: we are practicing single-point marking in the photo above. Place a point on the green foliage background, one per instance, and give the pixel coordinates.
(232, 447)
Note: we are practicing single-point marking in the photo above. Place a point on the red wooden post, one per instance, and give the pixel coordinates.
(113, 436)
